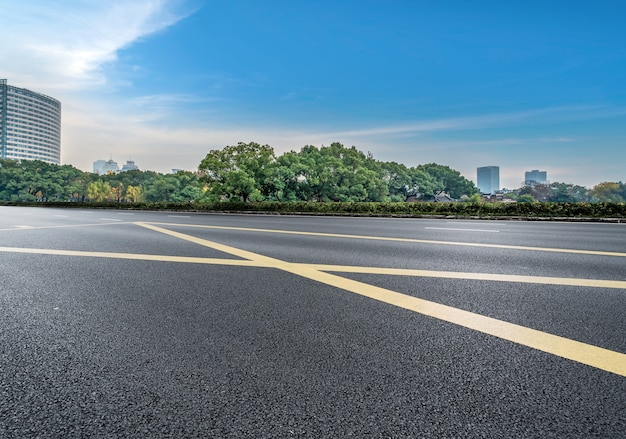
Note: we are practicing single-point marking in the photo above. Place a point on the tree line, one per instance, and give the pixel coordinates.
(33, 180)
(248, 172)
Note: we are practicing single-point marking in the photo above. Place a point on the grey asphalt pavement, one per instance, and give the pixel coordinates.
(160, 324)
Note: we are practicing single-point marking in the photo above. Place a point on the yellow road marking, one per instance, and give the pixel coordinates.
(247, 262)
(584, 353)
(544, 280)
(577, 351)
(410, 240)
(132, 256)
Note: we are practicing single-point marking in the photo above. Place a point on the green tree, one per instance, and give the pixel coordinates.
(567, 193)
(134, 194)
(449, 180)
(31, 180)
(336, 173)
(99, 191)
(474, 198)
(178, 188)
(319, 174)
(400, 185)
(282, 178)
(237, 171)
(189, 184)
(608, 192)
(162, 188)
(424, 183)
(357, 177)
(525, 198)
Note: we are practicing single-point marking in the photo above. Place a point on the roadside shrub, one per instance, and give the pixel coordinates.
(460, 210)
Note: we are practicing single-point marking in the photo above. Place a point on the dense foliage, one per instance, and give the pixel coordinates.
(32, 180)
(252, 172)
(336, 178)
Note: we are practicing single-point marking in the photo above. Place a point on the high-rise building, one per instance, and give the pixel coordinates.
(102, 167)
(534, 177)
(488, 179)
(130, 166)
(30, 125)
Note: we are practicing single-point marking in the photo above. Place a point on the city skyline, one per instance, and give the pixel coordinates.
(537, 85)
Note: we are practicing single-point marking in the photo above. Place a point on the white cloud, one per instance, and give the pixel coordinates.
(64, 44)
(544, 115)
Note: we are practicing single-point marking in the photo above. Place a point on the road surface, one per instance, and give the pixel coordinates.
(161, 324)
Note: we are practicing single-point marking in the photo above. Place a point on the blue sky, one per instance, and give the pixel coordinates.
(519, 84)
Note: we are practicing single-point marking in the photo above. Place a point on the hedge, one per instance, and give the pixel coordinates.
(457, 210)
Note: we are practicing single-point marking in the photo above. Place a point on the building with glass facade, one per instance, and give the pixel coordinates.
(488, 179)
(535, 177)
(30, 125)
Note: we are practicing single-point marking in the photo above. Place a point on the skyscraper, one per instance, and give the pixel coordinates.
(534, 177)
(30, 125)
(488, 179)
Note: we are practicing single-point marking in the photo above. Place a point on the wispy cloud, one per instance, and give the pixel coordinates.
(544, 115)
(64, 44)
(163, 107)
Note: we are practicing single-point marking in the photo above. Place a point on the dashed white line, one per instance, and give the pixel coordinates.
(109, 219)
(473, 222)
(462, 230)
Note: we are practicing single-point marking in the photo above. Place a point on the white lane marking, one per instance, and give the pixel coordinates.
(60, 216)
(462, 230)
(179, 216)
(408, 240)
(124, 213)
(473, 222)
(64, 226)
(109, 219)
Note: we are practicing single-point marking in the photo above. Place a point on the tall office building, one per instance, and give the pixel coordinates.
(534, 177)
(30, 125)
(103, 167)
(488, 179)
(130, 166)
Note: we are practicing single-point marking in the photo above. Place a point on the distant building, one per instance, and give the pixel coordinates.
(98, 167)
(130, 166)
(534, 177)
(102, 167)
(30, 125)
(488, 179)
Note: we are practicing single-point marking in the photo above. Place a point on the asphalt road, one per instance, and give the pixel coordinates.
(156, 324)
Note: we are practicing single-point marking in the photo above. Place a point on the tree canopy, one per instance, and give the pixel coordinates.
(329, 173)
(252, 172)
(33, 180)
(238, 171)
